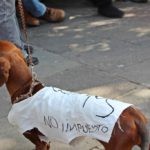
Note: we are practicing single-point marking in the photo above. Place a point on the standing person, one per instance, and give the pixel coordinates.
(107, 9)
(9, 29)
(35, 10)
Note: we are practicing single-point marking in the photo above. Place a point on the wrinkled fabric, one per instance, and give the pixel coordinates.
(62, 115)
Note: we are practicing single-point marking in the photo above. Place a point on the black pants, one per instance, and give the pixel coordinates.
(101, 3)
(106, 8)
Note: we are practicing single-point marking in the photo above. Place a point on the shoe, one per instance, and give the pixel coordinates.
(30, 20)
(54, 15)
(34, 60)
(110, 11)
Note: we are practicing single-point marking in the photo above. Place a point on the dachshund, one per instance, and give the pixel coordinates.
(17, 77)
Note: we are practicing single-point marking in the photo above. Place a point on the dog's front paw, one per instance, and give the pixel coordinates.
(43, 146)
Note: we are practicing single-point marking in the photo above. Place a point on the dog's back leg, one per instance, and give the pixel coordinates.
(130, 130)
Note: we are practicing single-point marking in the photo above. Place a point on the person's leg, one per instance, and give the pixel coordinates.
(35, 7)
(39, 10)
(106, 8)
(29, 19)
(9, 29)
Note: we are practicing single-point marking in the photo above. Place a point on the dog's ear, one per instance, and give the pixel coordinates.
(4, 70)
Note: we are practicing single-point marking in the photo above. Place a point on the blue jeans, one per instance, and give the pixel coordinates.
(9, 29)
(35, 7)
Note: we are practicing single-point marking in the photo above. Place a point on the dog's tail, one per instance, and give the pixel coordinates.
(142, 129)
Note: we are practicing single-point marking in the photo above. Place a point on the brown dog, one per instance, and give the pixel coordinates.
(15, 73)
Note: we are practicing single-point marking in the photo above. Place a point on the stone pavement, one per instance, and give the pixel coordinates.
(91, 54)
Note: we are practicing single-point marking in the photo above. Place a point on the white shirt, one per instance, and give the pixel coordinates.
(62, 115)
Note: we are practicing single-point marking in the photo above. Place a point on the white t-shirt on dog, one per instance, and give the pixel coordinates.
(62, 115)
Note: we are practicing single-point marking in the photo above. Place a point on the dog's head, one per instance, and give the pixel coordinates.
(12, 62)
(4, 70)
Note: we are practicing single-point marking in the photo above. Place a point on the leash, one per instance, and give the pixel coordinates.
(35, 82)
(24, 29)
